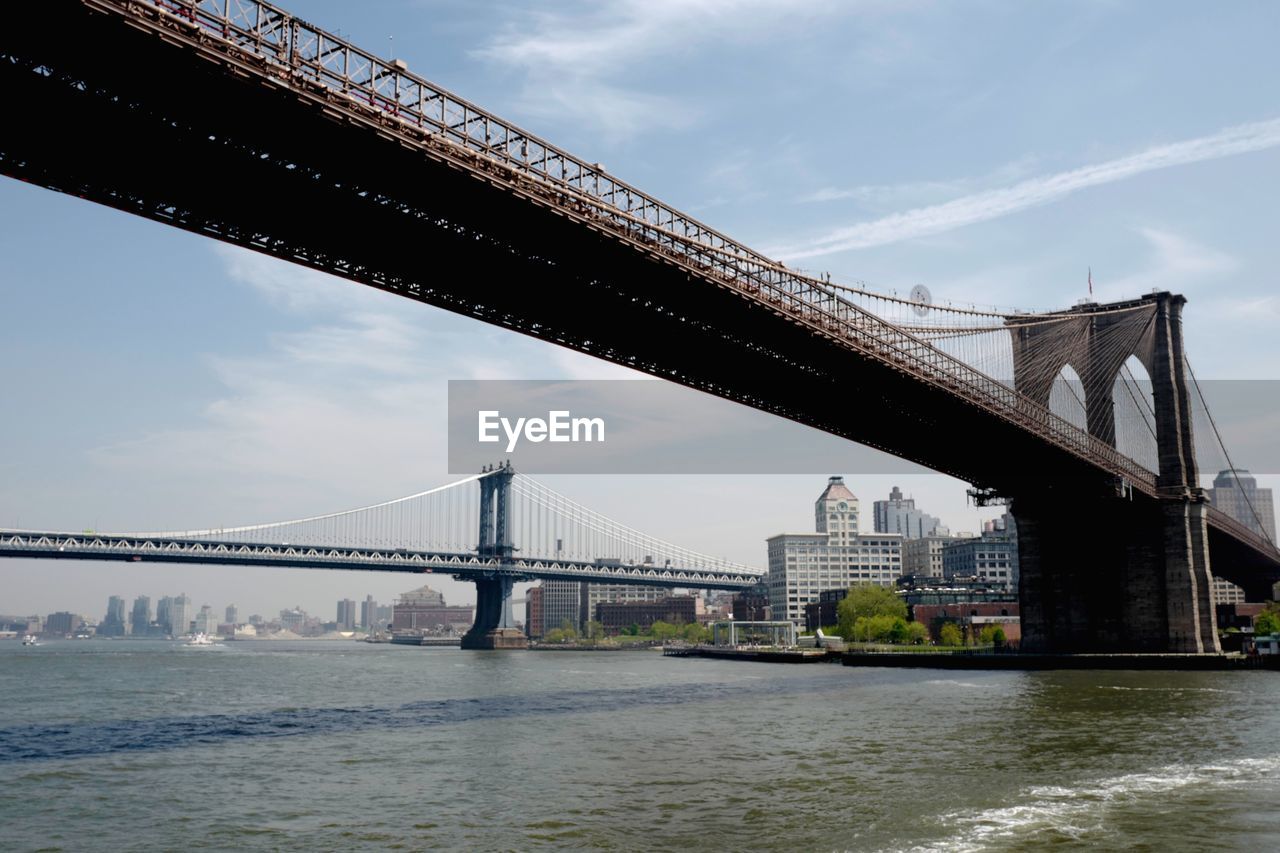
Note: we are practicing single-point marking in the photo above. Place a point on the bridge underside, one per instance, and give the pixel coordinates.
(107, 112)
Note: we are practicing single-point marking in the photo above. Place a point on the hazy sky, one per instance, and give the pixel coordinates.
(993, 151)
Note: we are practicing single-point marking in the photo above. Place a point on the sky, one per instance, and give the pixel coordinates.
(993, 151)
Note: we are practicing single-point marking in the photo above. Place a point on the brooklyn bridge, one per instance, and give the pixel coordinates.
(235, 120)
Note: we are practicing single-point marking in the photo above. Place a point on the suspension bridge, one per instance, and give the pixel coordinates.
(495, 528)
(236, 120)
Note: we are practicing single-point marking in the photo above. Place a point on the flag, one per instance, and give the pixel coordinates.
(1091, 281)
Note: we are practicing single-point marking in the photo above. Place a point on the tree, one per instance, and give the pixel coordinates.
(865, 601)
(917, 634)
(898, 632)
(694, 633)
(950, 635)
(992, 635)
(1266, 622)
(594, 630)
(663, 631)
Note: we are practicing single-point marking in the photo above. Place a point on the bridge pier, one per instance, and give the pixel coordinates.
(495, 627)
(1133, 578)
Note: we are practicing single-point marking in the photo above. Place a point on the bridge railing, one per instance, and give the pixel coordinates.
(305, 55)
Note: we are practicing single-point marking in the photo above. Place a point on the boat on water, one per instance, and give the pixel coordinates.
(201, 639)
(29, 640)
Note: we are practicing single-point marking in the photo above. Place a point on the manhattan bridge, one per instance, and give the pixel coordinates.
(238, 121)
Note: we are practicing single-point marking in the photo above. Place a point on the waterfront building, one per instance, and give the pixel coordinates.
(140, 617)
(592, 594)
(113, 624)
(837, 556)
(992, 557)
(233, 615)
(424, 609)
(386, 613)
(752, 605)
(899, 515)
(618, 616)
(533, 612)
(560, 602)
(294, 620)
(61, 623)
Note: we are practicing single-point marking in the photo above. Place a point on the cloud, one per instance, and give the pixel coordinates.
(1176, 263)
(579, 63)
(992, 204)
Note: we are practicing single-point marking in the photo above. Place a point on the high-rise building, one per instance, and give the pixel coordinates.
(140, 618)
(164, 615)
(233, 615)
(561, 602)
(113, 624)
(802, 565)
(369, 613)
(346, 615)
(1235, 491)
(899, 515)
(206, 621)
(533, 612)
(181, 615)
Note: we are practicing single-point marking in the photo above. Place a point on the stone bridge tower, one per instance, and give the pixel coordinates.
(1103, 569)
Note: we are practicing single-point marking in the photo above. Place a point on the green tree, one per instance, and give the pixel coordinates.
(950, 635)
(917, 634)
(694, 633)
(1267, 622)
(663, 631)
(594, 631)
(992, 635)
(898, 632)
(864, 601)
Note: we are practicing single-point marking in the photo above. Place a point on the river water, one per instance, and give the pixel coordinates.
(144, 745)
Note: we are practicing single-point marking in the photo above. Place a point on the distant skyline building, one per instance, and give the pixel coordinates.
(140, 617)
(61, 623)
(802, 565)
(206, 621)
(1236, 492)
(369, 613)
(899, 514)
(346, 615)
(113, 624)
(164, 615)
(181, 615)
(233, 615)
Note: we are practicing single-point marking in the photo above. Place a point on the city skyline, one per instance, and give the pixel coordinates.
(261, 409)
